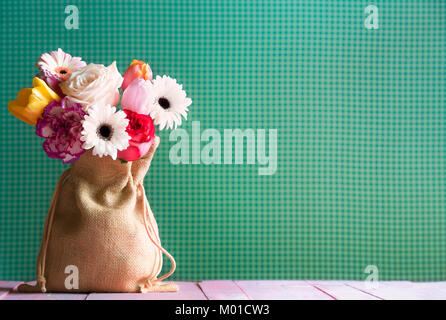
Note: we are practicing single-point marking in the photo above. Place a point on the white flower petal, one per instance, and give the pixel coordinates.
(103, 146)
(93, 84)
(168, 88)
(49, 62)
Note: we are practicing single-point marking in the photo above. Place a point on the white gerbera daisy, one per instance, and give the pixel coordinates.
(169, 102)
(59, 64)
(104, 130)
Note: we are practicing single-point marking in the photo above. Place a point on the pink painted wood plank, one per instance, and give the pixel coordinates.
(187, 291)
(404, 290)
(7, 286)
(269, 289)
(438, 285)
(14, 295)
(280, 282)
(364, 287)
(424, 290)
(341, 291)
(45, 296)
(281, 290)
(222, 290)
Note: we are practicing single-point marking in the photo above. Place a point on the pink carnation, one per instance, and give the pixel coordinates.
(61, 126)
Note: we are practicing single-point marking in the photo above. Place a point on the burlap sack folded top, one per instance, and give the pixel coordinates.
(100, 222)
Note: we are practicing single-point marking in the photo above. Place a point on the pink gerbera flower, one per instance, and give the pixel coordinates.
(59, 64)
(61, 126)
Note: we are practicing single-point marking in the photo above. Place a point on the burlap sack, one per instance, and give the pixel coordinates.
(100, 222)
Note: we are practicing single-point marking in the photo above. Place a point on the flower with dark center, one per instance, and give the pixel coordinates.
(59, 64)
(164, 103)
(170, 102)
(104, 131)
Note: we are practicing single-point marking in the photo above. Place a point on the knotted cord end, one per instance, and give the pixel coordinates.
(41, 281)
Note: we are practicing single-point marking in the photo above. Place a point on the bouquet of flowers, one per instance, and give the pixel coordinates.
(99, 218)
(73, 106)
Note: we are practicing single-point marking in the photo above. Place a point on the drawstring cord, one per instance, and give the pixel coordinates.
(41, 281)
(149, 233)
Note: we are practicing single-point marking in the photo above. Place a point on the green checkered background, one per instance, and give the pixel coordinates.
(361, 126)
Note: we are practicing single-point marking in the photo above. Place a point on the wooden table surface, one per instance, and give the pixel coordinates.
(257, 290)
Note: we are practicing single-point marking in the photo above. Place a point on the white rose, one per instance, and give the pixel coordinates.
(94, 84)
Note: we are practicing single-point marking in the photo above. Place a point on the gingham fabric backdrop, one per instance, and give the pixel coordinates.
(360, 119)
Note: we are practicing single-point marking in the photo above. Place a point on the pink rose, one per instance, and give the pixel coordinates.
(142, 134)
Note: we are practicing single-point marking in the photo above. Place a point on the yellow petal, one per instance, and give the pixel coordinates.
(23, 96)
(26, 115)
(30, 103)
(44, 89)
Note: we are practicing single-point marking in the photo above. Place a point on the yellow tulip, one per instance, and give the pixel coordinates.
(30, 103)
